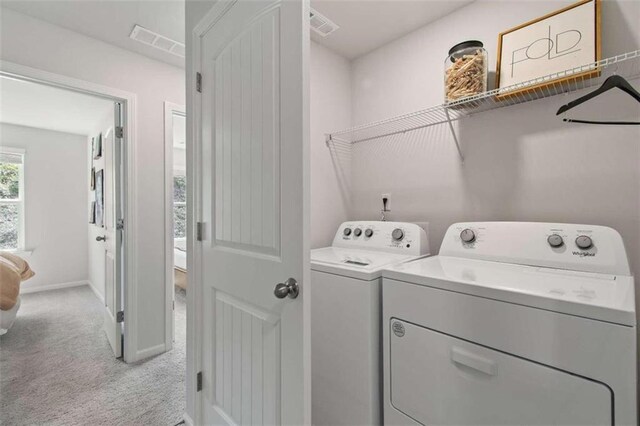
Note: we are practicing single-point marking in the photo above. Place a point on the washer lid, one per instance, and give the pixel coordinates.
(602, 297)
(361, 264)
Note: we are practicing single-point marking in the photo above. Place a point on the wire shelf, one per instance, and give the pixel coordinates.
(626, 65)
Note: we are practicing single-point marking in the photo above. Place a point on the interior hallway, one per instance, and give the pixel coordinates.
(57, 368)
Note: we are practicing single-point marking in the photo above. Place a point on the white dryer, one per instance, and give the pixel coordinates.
(512, 324)
(346, 306)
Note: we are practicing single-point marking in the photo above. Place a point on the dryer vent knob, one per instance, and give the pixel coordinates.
(397, 234)
(584, 242)
(468, 236)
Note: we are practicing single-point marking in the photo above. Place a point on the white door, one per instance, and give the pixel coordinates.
(112, 148)
(253, 201)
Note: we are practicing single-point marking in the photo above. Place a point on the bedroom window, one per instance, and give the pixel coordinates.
(11, 198)
(179, 206)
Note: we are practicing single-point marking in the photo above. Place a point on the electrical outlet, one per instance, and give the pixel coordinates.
(386, 205)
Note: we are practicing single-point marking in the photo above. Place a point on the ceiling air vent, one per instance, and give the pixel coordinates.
(158, 41)
(321, 24)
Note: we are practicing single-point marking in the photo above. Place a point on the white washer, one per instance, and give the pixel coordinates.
(512, 323)
(346, 305)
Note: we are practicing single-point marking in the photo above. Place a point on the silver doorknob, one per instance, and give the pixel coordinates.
(288, 288)
(102, 238)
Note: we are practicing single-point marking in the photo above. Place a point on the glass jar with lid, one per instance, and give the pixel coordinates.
(465, 71)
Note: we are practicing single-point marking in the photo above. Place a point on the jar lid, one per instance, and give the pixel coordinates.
(464, 45)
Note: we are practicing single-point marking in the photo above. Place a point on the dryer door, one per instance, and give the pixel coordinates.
(437, 379)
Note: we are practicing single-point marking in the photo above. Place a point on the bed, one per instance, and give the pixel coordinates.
(13, 270)
(180, 262)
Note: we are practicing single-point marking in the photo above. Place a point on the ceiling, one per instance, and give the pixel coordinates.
(366, 25)
(45, 107)
(112, 21)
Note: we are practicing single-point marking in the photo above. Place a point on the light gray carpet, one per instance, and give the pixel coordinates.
(57, 368)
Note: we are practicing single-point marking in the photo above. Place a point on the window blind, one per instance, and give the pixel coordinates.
(11, 157)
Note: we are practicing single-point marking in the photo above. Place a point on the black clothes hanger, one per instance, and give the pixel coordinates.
(610, 83)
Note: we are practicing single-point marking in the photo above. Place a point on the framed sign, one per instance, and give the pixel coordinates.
(97, 147)
(557, 42)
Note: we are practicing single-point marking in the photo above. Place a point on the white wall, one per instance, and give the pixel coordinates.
(37, 44)
(330, 76)
(522, 163)
(96, 253)
(56, 211)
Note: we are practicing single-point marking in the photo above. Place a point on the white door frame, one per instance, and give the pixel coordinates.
(169, 110)
(194, 248)
(128, 100)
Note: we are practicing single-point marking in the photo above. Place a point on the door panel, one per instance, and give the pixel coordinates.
(246, 361)
(253, 201)
(247, 149)
(113, 237)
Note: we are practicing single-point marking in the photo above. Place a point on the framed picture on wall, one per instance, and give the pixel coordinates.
(555, 43)
(99, 193)
(92, 213)
(97, 147)
(92, 185)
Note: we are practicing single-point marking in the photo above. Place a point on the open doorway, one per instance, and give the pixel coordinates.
(61, 158)
(176, 223)
(63, 328)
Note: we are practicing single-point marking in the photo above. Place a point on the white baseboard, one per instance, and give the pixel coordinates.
(25, 290)
(187, 420)
(149, 352)
(96, 292)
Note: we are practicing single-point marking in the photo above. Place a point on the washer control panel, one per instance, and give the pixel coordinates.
(399, 237)
(588, 248)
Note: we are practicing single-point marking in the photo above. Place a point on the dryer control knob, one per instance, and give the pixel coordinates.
(584, 242)
(368, 233)
(468, 236)
(357, 232)
(555, 240)
(397, 234)
(347, 232)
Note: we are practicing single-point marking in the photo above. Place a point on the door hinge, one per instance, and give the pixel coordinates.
(199, 231)
(120, 224)
(199, 82)
(119, 132)
(120, 316)
(199, 381)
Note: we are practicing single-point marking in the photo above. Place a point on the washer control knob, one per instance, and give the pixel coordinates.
(468, 236)
(555, 240)
(347, 232)
(357, 232)
(397, 234)
(584, 242)
(368, 233)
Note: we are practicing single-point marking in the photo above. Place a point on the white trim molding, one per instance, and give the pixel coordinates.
(169, 110)
(20, 201)
(152, 351)
(128, 99)
(49, 287)
(96, 292)
(187, 420)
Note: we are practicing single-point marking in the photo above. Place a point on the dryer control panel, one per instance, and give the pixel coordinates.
(588, 248)
(394, 237)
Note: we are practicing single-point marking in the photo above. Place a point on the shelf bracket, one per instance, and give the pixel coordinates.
(453, 133)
